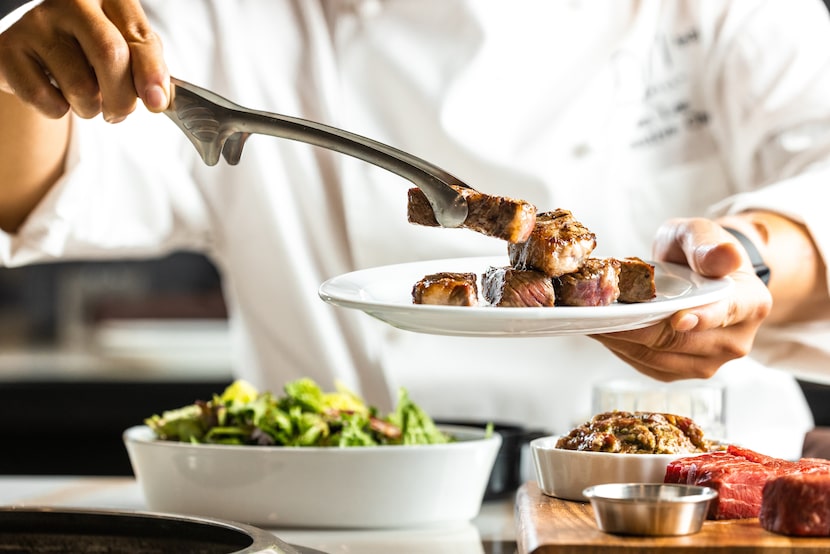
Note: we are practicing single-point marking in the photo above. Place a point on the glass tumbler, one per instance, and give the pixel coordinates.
(701, 400)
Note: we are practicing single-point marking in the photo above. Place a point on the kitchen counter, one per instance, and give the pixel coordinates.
(491, 532)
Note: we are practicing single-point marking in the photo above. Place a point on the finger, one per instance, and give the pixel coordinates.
(24, 76)
(648, 341)
(62, 39)
(65, 66)
(108, 55)
(693, 361)
(749, 303)
(22, 68)
(662, 366)
(151, 78)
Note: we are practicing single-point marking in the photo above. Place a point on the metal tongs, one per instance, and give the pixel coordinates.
(215, 125)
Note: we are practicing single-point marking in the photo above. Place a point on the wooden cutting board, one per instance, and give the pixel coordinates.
(547, 525)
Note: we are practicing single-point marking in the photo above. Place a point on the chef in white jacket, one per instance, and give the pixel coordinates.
(627, 113)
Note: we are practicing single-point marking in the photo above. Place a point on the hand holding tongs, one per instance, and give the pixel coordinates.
(215, 125)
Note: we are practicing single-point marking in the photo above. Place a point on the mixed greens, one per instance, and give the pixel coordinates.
(304, 416)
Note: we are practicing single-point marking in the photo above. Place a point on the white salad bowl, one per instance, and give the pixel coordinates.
(566, 473)
(351, 487)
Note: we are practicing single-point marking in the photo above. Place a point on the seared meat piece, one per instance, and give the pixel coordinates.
(636, 280)
(558, 245)
(593, 284)
(495, 216)
(517, 288)
(447, 289)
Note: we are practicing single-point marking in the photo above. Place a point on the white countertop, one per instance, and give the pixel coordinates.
(493, 526)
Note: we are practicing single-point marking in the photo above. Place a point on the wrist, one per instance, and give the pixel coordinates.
(762, 270)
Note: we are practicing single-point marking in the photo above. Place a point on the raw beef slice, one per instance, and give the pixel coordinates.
(739, 475)
(797, 504)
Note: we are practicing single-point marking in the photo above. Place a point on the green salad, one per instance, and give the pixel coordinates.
(304, 416)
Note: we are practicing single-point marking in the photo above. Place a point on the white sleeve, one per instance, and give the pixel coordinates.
(769, 82)
(126, 191)
(10, 18)
(801, 198)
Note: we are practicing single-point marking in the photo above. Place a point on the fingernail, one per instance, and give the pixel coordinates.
(114, 119)
(686, 323)
(155, 97)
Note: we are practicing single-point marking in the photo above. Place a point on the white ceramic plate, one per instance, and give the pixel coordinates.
(386, 294)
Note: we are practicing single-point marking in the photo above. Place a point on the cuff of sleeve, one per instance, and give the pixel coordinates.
(798, 198)
(10, 18)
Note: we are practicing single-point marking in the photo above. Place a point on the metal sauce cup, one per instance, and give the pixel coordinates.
(653, 509)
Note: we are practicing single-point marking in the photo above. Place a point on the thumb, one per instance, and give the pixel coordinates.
(151, 78)
(702, 244)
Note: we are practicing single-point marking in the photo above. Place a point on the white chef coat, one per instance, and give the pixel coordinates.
(625, 112)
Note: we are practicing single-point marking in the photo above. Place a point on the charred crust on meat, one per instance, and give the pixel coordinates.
(446, 289)
(558, 244)
(501, 217)
(549, 255)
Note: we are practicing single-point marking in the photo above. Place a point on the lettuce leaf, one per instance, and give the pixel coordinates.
(304, 416)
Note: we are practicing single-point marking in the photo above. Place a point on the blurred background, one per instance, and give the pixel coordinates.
(89, 349)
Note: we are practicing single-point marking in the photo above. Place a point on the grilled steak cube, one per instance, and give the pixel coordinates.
(447, 289)
(517, 288)
(636, 280)
(559, 244)
(495, 216)
(596, 283)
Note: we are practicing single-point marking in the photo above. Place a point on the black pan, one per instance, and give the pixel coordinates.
(506, 475)
(25, 530)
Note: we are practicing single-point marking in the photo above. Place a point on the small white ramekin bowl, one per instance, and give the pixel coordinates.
(566, 473)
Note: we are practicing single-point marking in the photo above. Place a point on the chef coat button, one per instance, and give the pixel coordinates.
(581, 150)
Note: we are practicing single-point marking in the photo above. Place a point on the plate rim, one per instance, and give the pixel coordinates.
(714, 289)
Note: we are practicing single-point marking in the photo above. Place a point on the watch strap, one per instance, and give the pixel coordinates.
(761, 268)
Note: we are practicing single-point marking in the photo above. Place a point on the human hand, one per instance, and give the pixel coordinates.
(90, 56)
(696, 342)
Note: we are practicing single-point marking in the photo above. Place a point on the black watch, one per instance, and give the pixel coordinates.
(761, 269)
